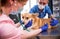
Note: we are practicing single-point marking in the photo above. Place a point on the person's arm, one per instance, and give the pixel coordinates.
(54, 21)
(25, 34)
(7, 30)
(18, 24)
(33, 9)
(33, 33)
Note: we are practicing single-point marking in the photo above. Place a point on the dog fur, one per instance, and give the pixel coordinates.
(37, 22)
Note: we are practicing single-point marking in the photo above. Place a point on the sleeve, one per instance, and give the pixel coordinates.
(7, 30)
(33, 9)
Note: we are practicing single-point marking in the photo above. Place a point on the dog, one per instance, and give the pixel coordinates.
(36, 21)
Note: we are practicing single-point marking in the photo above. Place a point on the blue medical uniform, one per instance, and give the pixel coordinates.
(42, 14)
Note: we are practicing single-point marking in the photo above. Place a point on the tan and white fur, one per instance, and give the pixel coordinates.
(36, 22)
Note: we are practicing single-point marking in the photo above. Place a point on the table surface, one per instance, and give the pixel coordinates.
(52, 32)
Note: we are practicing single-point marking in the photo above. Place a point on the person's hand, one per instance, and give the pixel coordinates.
(21, 22)
(44, 28)
(29, 24)
(54, 22)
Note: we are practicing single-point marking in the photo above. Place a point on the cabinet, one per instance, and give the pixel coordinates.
(56, 8)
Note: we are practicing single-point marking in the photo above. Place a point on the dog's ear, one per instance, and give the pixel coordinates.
(35, 14)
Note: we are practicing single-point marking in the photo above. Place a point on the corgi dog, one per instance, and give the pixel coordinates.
(36, 21)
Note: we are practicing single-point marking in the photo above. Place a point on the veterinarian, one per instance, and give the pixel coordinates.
(42, 9)
(8, 29)
(16, 15)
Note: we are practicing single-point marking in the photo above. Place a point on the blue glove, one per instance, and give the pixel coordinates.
(54, 22)
(45, 27)
(28, 24)
(21, 22)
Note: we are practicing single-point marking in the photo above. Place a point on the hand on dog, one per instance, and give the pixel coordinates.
(44, 28)
(54, 22)
(29, 24)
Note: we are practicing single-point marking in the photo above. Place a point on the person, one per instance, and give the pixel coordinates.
(8, 29)
(43, 9)
(16, 15)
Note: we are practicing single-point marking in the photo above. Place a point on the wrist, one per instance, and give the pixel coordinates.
(40, 30)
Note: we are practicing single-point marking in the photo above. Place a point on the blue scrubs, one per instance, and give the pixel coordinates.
(42, 14)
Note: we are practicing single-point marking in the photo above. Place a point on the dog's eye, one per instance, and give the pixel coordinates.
(27, 18)
(23, 17)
